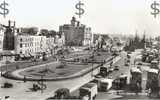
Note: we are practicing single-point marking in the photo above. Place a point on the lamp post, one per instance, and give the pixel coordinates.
(92, 57)
(42, 83)
(1, 64)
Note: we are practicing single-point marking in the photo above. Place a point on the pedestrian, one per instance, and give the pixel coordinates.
(149, 92)
(137, 87)
(24, 79)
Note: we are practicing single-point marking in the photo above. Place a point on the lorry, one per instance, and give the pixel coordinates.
(136, 79)
(153, 80)
(120, 82)
(154, 64)
(103, 84)
(89, 91)
(63, 94)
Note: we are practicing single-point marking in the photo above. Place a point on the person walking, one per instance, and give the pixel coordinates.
(149, 92)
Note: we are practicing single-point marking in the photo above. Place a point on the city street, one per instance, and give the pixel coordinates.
(79, 49)
(24, 88)
(19, 87)
(112, 94)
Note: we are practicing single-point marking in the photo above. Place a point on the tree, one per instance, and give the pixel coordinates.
(52, 33)
(33, 30)
(135, 43)
(44, 32)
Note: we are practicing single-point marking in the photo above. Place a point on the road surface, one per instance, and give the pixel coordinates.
(21, 90)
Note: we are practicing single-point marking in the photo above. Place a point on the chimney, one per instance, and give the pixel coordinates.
(73, 21)
(78, 23)
(14, 24)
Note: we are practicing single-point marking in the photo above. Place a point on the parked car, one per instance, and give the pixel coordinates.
(116, 68)
(129, 52)
(128, 61)
(111, 69)
(139, 63)
(126, 64)
(7, 85)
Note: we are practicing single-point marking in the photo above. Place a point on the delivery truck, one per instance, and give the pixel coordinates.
(103, 84)
(88, 91)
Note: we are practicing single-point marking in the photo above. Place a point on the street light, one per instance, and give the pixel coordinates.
(92, 57)
(42, 83)
(1, 66)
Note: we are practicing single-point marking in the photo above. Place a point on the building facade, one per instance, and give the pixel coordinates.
(50, 45)
(1, 38)
(60, 40)
(29, 45)
(87, 36)
(101, 40)
(8, 41)
(75, 33)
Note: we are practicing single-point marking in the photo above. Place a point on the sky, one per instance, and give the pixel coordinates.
(103, 16)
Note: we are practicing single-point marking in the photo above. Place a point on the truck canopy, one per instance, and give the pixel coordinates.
(88, 85)
(136, 70)
(153, 70)
(154, 62)
(108, 81)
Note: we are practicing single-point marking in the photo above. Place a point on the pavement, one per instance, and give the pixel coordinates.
(21, 90)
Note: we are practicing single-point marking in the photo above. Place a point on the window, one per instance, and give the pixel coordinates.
(20, 39)
(21, 45)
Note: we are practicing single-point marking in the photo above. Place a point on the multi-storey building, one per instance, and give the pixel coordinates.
(29, 45)
(75, 33)
(8, 41)
(101, 40)
(60, 40)
(1, 38)
(87, 36)
(50, 45)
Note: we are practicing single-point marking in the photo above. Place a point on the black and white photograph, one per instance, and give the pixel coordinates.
(79, 49)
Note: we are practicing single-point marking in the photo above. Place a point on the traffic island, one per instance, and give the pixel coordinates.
(50, 73)
(55, 71)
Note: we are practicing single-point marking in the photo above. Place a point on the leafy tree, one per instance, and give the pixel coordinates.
(44, 32)
(52, 33)
(33, 30)
(135, 43)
